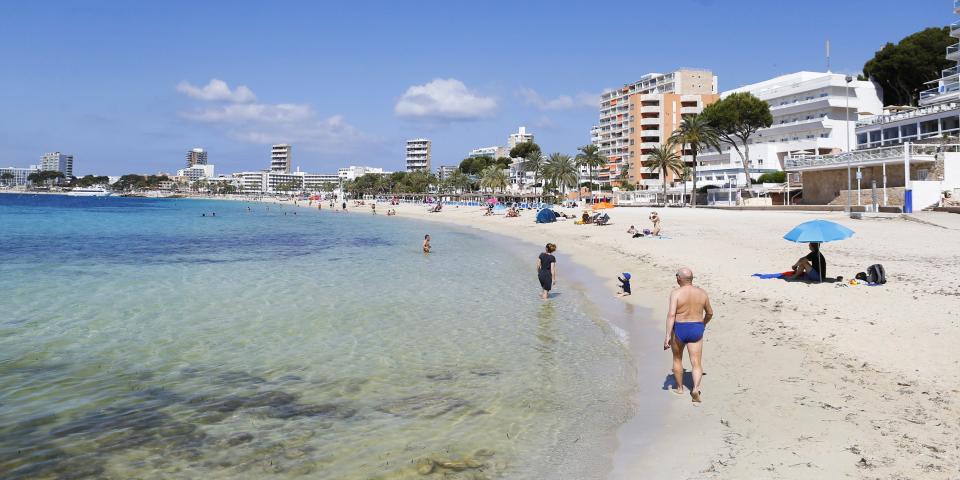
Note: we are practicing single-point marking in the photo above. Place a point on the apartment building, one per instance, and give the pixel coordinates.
(418, 155)
(19, 174)
(280, 158)
(813, 113)
(444, 171)
(268, 182)
(642, 115)
(196, 156)
(520, 137)
(197, 172)
(58, 162)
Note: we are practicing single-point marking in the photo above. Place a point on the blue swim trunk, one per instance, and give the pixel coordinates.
(813, 275)
(688, 332)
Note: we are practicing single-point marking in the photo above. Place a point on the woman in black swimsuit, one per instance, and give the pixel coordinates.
(547, 270)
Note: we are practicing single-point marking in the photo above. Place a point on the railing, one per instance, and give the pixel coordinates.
(860, 157)
(953, 48)
(920, 112)
(955, 25)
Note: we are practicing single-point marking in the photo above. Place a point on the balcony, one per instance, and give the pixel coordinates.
(956, 6)
(689, 110)
(650, 109)
(955, 29)
(650, 121)
(953, 52)
(940, 93)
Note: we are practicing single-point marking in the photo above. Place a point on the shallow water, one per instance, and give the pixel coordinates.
(139, 339)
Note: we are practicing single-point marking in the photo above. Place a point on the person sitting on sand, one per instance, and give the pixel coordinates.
(690, 312)
(489, 211)
(655, 218)
(633, 232)
(426, 244)
(812, 266)
(585, 218)
(512, 213)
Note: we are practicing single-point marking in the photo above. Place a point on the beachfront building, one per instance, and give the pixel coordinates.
(57, 162)
(285, 182)
(521, 136)
(937, 116)
(444, 171)
(19, 175)
(814, 113)
(196, 156)
(418, 155)
(197, 172)
(642, 115)
(280, 157)
(905, 156)
(353, 172)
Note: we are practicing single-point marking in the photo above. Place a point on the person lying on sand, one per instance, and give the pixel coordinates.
(690, 312)
(811, 266)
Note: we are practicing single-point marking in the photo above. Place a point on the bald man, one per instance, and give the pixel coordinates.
(690, 311)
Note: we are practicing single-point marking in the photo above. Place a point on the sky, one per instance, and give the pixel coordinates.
(129, 87)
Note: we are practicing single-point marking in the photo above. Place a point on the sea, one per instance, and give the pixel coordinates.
(183, 338)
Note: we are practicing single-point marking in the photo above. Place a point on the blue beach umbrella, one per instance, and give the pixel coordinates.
(818, 231)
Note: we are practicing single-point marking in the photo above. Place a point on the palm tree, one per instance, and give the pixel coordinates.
(684, 176)
(459, 180)
(6, 177)
(561, 170)
(695, 131)
(493, 178)
(665, 160)
(533, 162)
(591, 158)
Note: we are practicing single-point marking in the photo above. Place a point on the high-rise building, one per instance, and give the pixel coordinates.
(196, 156)
(418, 155)
(520, 137)
(280, 158)
(642, 115)
(814, 113)
(58, 162)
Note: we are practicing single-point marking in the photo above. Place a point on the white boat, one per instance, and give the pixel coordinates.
(90, 192)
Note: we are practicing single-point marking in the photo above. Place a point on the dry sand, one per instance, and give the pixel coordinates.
(803, 381)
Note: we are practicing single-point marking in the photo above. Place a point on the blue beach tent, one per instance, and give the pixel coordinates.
(546, 216)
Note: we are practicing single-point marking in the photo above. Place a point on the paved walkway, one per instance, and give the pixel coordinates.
(943, 219)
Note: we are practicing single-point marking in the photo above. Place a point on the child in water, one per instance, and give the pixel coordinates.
(624, 284)
(426, 244)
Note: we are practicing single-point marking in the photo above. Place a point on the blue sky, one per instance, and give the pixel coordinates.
(127, 86)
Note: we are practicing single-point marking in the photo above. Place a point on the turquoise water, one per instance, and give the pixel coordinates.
(139, 339)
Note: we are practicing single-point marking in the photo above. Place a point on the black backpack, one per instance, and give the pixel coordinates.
(876, 274)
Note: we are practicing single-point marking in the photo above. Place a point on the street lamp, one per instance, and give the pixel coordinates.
(847, 133)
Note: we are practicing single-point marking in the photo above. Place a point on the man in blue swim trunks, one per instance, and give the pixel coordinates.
(690, 311)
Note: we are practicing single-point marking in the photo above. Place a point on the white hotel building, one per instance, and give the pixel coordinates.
(813, 112)
(353, 172)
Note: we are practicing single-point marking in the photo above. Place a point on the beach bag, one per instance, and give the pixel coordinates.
(876, 274)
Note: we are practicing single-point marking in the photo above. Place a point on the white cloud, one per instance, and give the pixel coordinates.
(563, 102)
(446, 99)
(257, 112)
(216, 90)
(267, 123)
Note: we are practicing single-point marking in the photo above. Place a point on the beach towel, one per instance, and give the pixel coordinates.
(767, 276)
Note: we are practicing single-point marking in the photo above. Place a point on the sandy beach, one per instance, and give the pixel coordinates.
(802, 381)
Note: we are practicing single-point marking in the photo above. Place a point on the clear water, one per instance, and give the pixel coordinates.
(139, 339)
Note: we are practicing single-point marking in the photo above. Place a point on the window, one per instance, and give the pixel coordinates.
(861, 138)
